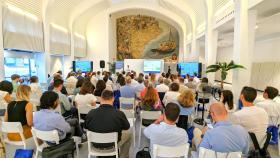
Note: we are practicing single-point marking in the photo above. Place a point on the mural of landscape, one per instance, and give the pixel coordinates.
(145, 37)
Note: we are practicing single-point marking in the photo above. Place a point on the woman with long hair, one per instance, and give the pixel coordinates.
(151, 101)
(227, 100)
(86, 97)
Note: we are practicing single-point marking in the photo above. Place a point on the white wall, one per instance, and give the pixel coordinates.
(98, 40)
(56, 63)
(264, 51)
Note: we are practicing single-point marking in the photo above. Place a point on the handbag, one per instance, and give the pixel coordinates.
(258, 152)
(23, 153)
(64, 149)
(143, 153)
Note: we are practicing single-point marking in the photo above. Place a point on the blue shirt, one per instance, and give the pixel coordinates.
(48, 120)
(127, 91)
(184, 111)
(225, 137)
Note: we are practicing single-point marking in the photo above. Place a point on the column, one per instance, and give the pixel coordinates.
(211, 40)
(67, 62)
(244, 39)
(2, 72)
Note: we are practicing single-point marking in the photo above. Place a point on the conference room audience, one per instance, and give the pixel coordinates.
(120, 82)
(172, 94)
(65, 105)
(128, 91)
(163, 85)
(164, 130)
(182, 87)
(139, 87)
(191, 84)
(153, 79)
(227, 100)
(20, 110)
(254, 119)
(224, 136)
(51, 86)
(79, 75)
(204, 88)
(100, 86)
(150, 101)
(109, 83)
(86, 97)
(186, 102)
(36, 90)
(15, 81)
(107, 119)
(133, 81)
(6, 90)
(78, 86)
(94, 79)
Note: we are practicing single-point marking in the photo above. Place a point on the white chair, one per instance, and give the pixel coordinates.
(15, 127)
(130, 115)
(84, 110)
(127, 101)
(275, 121)
(165, 151)
(147, 115)
(48, 136)
(206, 153)
(102, 138)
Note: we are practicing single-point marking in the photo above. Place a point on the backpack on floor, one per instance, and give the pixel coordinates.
(143, 153)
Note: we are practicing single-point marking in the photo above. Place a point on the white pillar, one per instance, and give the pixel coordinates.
(244, 39)
(67, 63)
(2, 72)
(211, 40)
(194, 48)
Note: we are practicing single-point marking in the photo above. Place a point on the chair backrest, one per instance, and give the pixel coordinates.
(274, 120)
(12, 127)
(128, 113)
(150, 115)
(164, 151)
(49, 136)
(161, 95)
(206, 153)
(94, 137)
(84, 110)
(127, 103)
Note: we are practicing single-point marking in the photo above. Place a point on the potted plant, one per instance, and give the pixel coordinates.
(223, 67)
(112, 66)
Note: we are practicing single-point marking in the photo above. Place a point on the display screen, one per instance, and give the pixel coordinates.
(84, 66)
(190, 68)
(119, 64)
(152, 66)
(10, 61)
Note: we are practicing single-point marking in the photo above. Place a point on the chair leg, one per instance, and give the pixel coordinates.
(77, 149)
(139, 137)
(36, 154)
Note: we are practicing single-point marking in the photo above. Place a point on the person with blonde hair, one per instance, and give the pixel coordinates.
(186, 102)
(21, 111)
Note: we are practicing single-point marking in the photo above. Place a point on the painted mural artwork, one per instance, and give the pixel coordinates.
(145, 37)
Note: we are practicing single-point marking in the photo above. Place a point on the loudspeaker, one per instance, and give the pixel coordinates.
(102, 64)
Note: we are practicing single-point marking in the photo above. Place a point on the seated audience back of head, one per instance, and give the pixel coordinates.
(150, 101)
(224, 137)
(107, 119)
(85, 97)
(171, 95)
(182, 87)
(100, 86)
(21, 111)
(163, 85)
(128, 91)
(164, 131)
(78, 86)
(227, 100)
(186, 102)
(6, 90)
(15, 81)
(47, 119)
(252, 118)
(51, 86)
(35, 87)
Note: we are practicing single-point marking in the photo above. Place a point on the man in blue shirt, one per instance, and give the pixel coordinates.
(224, 137)
(128, 91)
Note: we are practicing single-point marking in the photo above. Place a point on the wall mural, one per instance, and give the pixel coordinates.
(145, 37)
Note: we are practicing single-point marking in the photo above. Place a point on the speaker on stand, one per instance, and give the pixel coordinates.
(102, 64)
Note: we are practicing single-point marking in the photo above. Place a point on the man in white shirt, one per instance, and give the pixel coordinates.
(254, 119)
(171, 95)
(182, 87)
(163, 87)
(93, 79)
(164, 130)
(273, 110)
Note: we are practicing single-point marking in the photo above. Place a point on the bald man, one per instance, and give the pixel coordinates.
(224, 137)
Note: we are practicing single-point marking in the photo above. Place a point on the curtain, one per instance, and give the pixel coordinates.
(59, 41)
(80, 46)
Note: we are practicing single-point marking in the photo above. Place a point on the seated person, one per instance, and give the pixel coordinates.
(107, 119)
(47, 119)
(21, 111)
(164, 131)
(15, 81)
(6, 90)
(57, 76)
(85, 97)
(128, 91)
(140, 86)
(163, 85)
(151, 101)
(191, 84)
(224, 136)
(35, 87)
(182, 87)
(100, 86)
(227, 100)
(109, 83)
(171, 95)
(253, 119)
(78, 86)
(273, 110)
(65, 105)
(186, 102)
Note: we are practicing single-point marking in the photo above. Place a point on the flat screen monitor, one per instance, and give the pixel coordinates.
(119, 64)
(190, 68)
(152, 66)
(84, 66)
